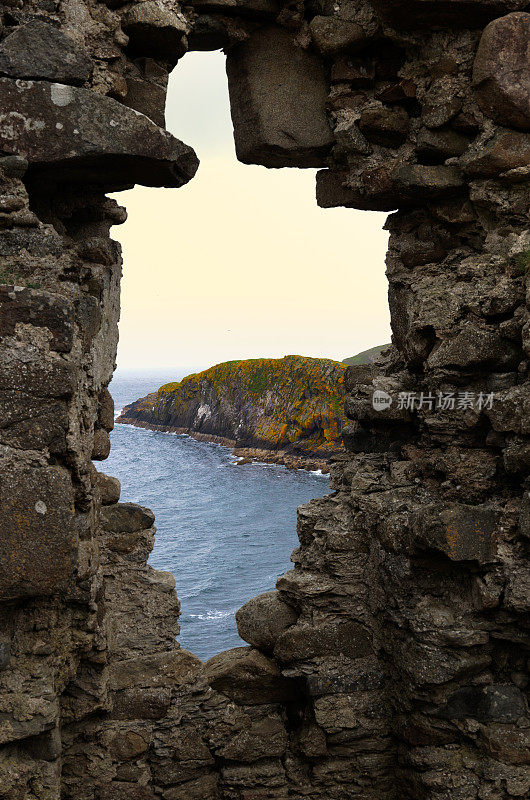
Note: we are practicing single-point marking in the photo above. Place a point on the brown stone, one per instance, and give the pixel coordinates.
(462, 532)
(263, 619)
(263, 739)
(501, 72)
(203, 788)
(385, 126)
(278, 93)
(303, 641)
(122, 790)
(128, 744)
(38, 545)
(332, 35)
(101, 446)
(248, 677)
(106, 410)
(507, 150)
(109, 487)
(126, 518)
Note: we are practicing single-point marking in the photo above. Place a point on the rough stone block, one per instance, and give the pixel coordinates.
(250, 678)
(501, 73)
(40, 50)
(40, 309)
(77, 135)
(33, 423)
(155, 30)
(278, 93)
(38, 544)
(462, 532)
(263, 739)
(263, 619)
(332, 35)
(307, 641)
(126, 518)
(101, 446)
(109, 487)
(495, 703)
(106, 410)
(250, 8)
(148, 98)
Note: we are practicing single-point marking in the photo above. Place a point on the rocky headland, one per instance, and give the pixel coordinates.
(279, 410)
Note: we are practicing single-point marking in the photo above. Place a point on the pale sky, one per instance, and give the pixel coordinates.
(241, 263)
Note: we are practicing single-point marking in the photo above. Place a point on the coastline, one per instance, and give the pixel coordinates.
(246, 455)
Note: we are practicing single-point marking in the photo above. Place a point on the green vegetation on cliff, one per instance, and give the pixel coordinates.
(293, 403)
(366, 357)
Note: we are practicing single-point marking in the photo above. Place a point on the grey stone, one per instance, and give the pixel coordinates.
(101, 446)
(71, 134)
(247, 8)
(421, 181)
(147, 97)
(263, 619)
(155, 30)
(39, 50)
(474, 348)
(278, 93)
(501, 72)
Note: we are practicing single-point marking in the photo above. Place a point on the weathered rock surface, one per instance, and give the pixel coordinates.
(70, 134)
(501, 72)
(155, 30)
(39, 50)
(277, 97)
(263, 619)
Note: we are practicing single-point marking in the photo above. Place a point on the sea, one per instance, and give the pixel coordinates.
(225, 531)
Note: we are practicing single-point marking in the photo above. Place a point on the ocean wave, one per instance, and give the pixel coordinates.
(212, 614)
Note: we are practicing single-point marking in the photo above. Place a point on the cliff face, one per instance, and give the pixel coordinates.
(293, 404)
(393, 660)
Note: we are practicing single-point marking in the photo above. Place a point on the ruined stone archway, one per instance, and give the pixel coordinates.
(405, 673)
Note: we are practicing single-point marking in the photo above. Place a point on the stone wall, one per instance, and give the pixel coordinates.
(392, 661)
